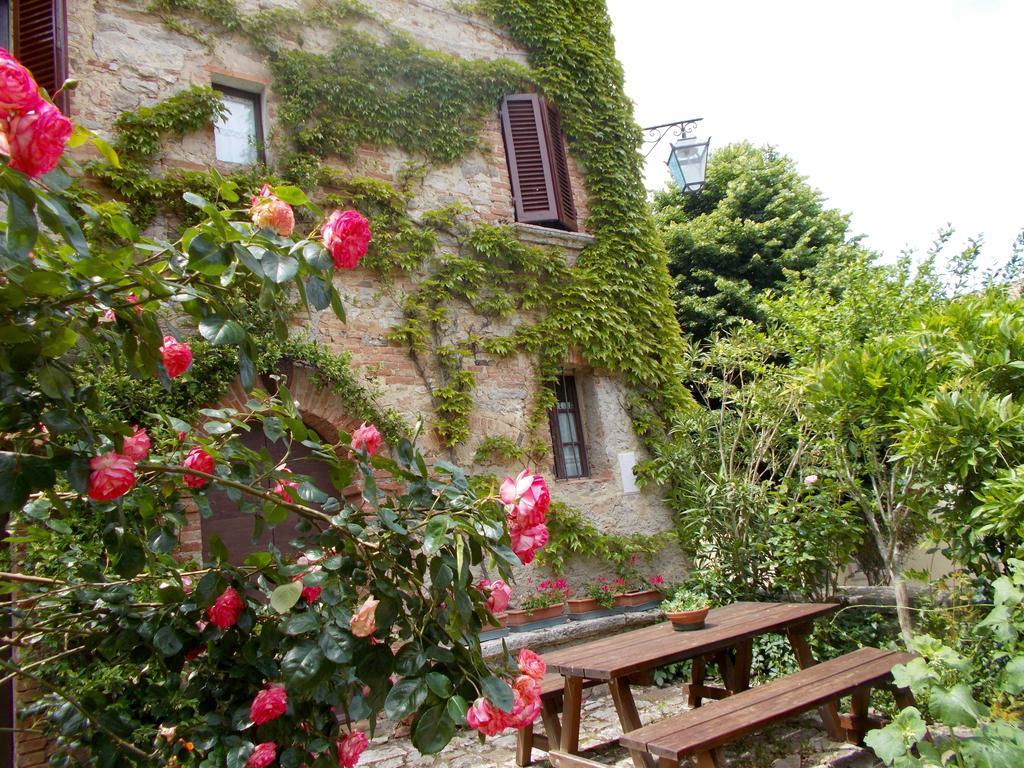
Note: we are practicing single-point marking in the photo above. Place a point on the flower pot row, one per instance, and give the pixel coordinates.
(573, 610)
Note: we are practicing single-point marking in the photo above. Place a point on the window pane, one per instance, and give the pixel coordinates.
(567, 428)
(235, 135)
(571, 456)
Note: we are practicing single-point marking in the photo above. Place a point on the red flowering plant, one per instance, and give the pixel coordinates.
(548, 593)
(369, 607)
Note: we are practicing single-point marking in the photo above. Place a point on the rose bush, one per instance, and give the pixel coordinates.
(370, 608)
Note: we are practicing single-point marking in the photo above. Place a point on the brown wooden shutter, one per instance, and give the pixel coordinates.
(41, 43)
(537, 163)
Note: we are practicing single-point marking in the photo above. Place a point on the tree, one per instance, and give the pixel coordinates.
(755, 221)
(142, 659)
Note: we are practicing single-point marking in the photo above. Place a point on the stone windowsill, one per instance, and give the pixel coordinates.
(574, 242)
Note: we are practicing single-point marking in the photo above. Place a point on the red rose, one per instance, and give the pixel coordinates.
(351, 748)
(200, 461)
(35, 139)
(311, 594)
(346, 234)
(263, 755)
(18, 91)
(177, 356)
(269, 704)
(113, 474)
(226, 609)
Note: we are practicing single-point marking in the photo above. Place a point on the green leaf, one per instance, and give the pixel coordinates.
(337, 644)
(436, 535)
(498, 693)
(291, 195)
(53, 213)
(22, 227)
(301, 664)
(104, 149)
(318, 293)
(895, 739)
(300, 623)
(285, 596)
(439, 684)
(221, 332)
(279, 269)
(1013, 676)
(956, 706)
(457, 709)
(317, 256)
(166, 641)
(404, 698)
(999, 745)
(434, 729)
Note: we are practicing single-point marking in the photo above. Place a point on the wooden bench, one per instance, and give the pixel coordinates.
(701, 732)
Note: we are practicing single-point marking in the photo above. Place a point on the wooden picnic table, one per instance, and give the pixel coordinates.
(727, 639)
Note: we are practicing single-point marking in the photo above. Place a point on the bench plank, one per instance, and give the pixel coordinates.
(716, 723)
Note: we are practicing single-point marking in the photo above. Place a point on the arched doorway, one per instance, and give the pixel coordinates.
(235, 527)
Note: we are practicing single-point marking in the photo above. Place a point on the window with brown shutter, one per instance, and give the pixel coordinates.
(537, 164)
(41, 43)
(567, 431)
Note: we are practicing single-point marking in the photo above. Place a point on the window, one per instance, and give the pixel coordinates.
(238, 136)
(567, 431)
(38, 31)
(537, 163)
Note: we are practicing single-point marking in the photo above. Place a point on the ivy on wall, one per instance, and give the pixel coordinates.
(384, 89)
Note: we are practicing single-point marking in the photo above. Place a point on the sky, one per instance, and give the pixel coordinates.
(905, 113)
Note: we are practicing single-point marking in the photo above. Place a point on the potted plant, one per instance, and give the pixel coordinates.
(541, 608)
(643, 596)
(599, 601)
(686, 610)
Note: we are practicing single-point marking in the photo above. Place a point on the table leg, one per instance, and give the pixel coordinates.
(741, 667)
(829, 712)
(697, 671)
(572, 706)
(629, 718)
(552, 727)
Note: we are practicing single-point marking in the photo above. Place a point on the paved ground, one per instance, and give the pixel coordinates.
(800, 743)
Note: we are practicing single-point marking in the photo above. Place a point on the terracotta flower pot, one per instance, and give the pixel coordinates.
(644, 598)
(684, 621)
(521, 620)
(583, 608)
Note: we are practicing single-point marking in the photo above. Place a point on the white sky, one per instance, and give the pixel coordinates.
(906, 113)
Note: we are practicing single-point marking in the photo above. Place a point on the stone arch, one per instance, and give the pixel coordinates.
(321, 410)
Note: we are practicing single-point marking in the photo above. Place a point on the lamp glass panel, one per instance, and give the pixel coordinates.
(688, 162)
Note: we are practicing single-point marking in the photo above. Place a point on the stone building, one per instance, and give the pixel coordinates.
(515, 171)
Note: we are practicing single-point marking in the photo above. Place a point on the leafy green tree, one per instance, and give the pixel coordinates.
(755, 221)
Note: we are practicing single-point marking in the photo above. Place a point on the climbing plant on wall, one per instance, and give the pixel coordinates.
(384, 89)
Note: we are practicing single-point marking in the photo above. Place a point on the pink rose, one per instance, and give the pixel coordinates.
(532, 665)
(177, 356)
(526, 706)
(113, 474)
(526, 500)
(364, 622)
(263, 755)
(200, 461)
(35, 139)
(226, 609)
(526, 541)
(485, 717)
(137, 446)
(269, 704)
(18, 91)
(351, 748)
(498, 594)
(281, 485)
(268, 211)
(367, 438)
(346, 234)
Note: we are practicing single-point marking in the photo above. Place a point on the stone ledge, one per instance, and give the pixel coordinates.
(569, 632)
(574, 242)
